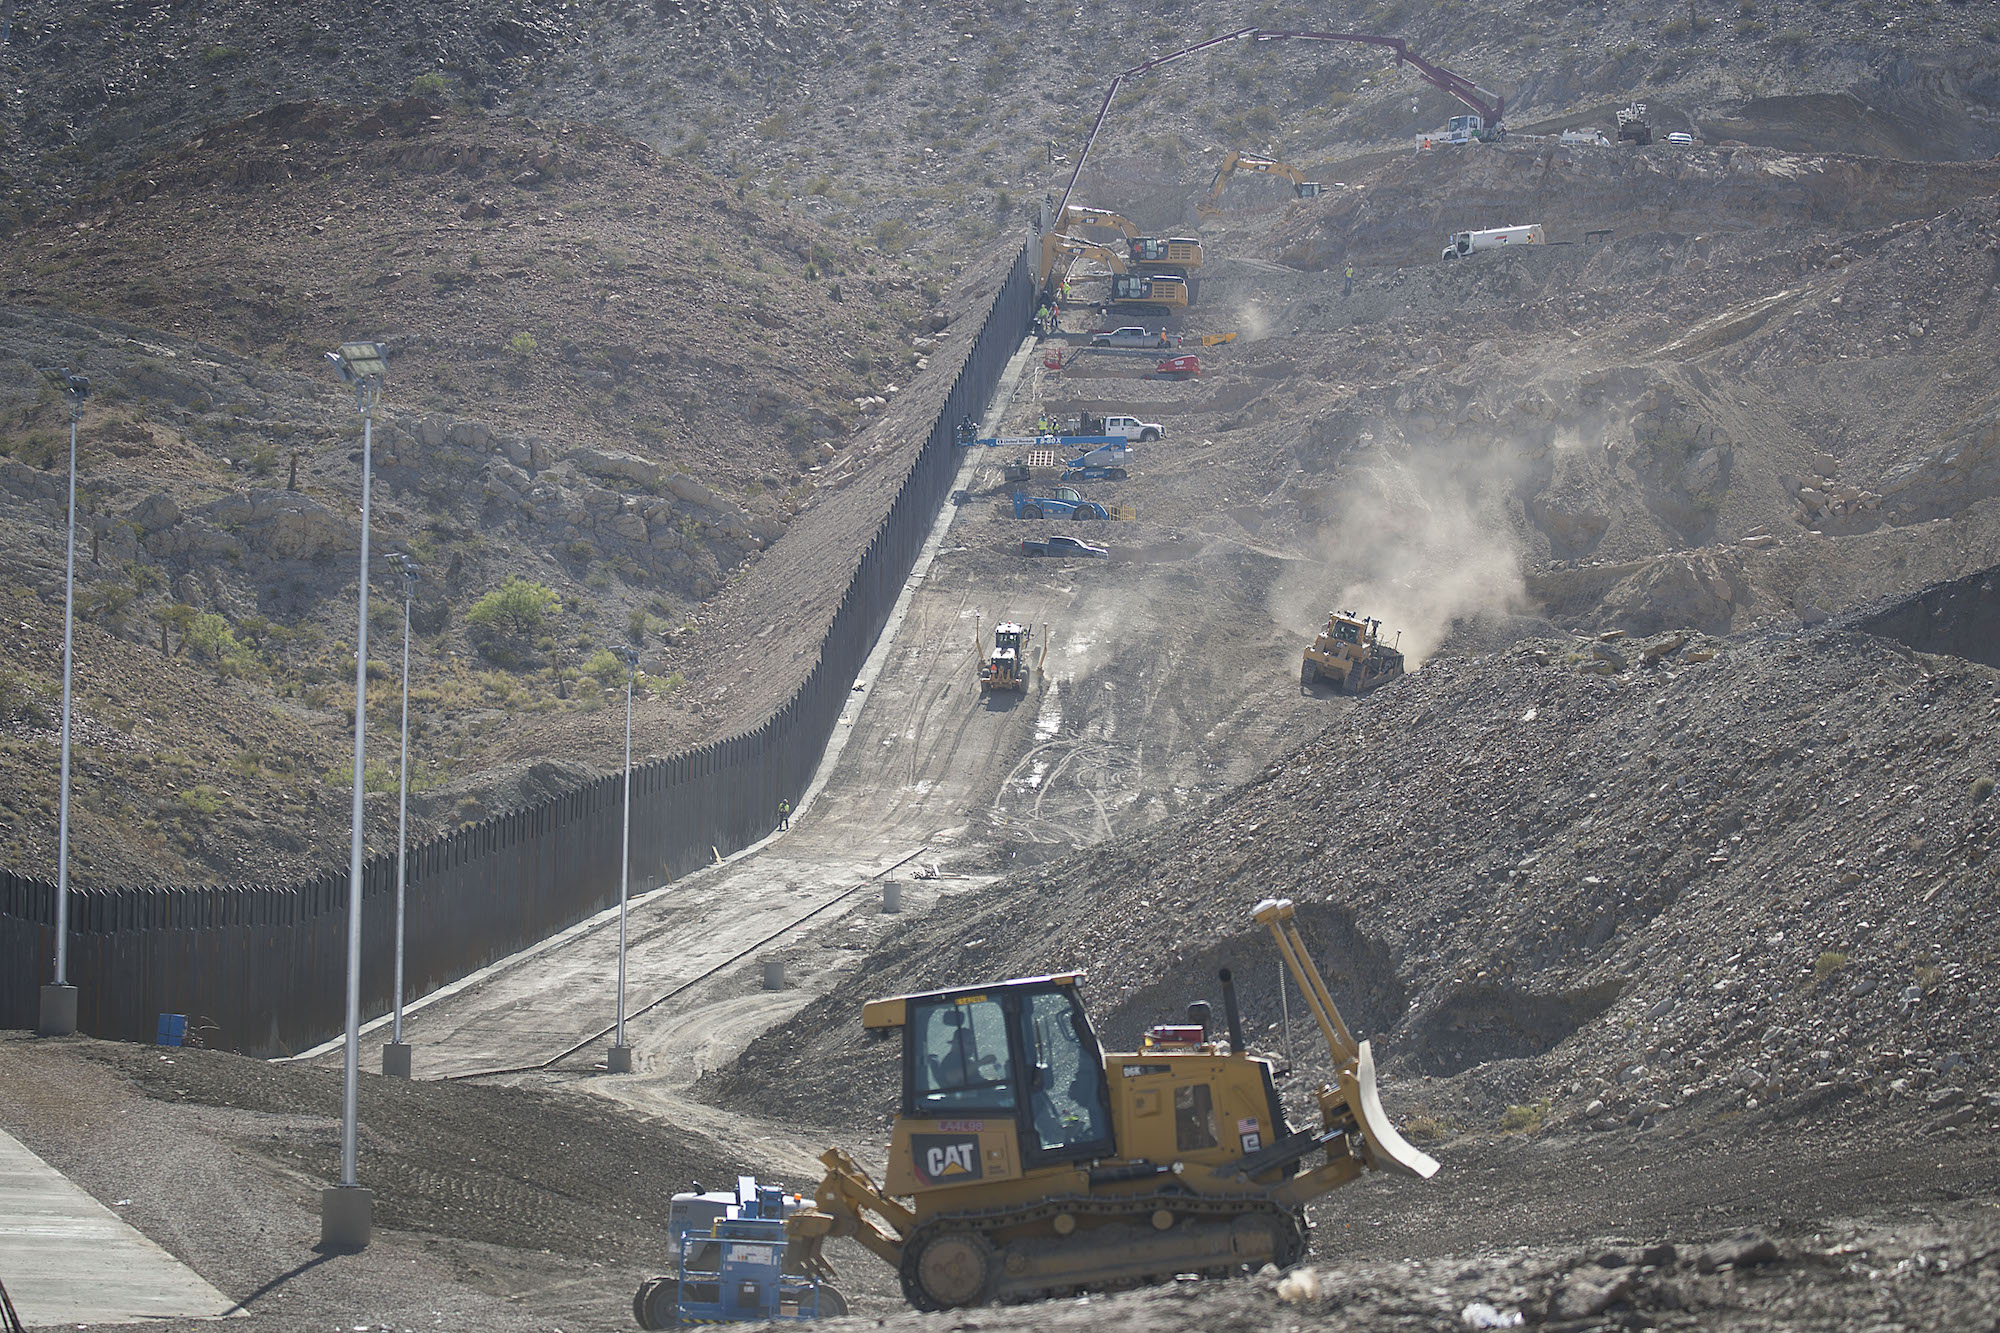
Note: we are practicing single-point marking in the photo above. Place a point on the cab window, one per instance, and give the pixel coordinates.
(1067, 1098)
(959, 1057)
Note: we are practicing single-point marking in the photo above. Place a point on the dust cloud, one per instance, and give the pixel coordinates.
(1409, 542)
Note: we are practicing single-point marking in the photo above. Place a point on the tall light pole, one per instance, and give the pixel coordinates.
(620, 1059)
(396, 1054)
(58, 1010)
(346, 1211)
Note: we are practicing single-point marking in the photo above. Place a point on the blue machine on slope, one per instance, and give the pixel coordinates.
(732, 1265)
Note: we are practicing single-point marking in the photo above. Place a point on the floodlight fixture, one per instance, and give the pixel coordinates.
(360, 361)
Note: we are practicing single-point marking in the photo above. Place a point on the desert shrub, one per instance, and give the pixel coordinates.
(201, 801)
(1827, 964)
(209, 639)
(518, 606)
(505, 621)
(606, 668)
(1524, 1119)
(1982, 787)
(429, 85)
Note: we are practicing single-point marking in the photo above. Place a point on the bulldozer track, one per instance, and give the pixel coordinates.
(1134, 1210)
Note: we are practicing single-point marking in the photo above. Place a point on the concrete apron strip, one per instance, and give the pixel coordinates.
(1003, 393)
(67, 1259)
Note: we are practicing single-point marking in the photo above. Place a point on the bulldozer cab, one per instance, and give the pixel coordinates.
(1021, 1051)
(998, 1081)
(1345, 631)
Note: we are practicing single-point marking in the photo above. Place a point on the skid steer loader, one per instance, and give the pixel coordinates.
(1036, 1164)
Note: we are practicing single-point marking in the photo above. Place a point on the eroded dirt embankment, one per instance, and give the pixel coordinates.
(1642, 882)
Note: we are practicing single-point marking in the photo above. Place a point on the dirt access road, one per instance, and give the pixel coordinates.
(1153, 698)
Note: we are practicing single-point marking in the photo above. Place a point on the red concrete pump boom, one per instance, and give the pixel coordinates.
(1490, 105)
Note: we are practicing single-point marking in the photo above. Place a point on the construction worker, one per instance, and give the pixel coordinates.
(784, 815)
(1348, 290)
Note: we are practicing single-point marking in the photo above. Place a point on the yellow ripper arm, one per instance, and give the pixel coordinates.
(841, 1206)
(1354, 1062)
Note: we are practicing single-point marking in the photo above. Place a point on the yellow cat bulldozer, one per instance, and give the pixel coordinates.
(1006, 667)
(1349, 654)
(1036, 1164)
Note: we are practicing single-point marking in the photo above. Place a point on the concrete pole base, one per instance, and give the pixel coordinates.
(774, 974)
(346, 1218)
(619, 1061)
(396, 1059)
(58, 1016)
(892, 898)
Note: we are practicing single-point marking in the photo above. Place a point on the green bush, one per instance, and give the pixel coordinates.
(518, 607)
(1982, 787)
(606, 668)
(429, 85)
(208, 638)
(200, 801)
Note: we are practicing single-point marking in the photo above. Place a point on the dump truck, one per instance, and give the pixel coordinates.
(1006, 667)
(1037, 1164)
(1350, 655)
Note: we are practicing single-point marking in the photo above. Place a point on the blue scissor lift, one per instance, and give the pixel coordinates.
(734, 1273)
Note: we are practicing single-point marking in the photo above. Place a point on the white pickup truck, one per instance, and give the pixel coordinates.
(1122, 427)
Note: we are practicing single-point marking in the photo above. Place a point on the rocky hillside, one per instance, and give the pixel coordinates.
(1656, 880)
(613, 382)
(931, 125)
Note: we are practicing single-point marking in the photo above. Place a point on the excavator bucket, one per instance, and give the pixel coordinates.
(1388, 1150)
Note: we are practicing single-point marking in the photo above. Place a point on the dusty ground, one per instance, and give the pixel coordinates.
(1700, 921)
(550, 1221)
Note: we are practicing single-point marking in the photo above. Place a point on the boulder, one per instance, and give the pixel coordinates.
(155, 512)
(692, 491)
(1703, 473)
(470, 435)
(618, 464)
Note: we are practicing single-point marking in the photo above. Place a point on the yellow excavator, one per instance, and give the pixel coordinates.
(1349, 654)
(1139, 292)
(1006, 667)
(1238, 161)
(1036, 1164)
(1176, 252)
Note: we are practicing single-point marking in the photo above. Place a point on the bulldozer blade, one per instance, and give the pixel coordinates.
(1389, 1150)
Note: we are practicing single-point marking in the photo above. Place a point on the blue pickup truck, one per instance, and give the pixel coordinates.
(1064, 546)
(1067, 502)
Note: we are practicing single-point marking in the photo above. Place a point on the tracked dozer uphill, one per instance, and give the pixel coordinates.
(1349, 654)
(1037, 1164)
